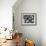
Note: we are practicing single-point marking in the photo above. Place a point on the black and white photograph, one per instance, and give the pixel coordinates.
(29, 19)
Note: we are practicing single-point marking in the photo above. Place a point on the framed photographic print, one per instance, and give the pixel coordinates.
(29, 19)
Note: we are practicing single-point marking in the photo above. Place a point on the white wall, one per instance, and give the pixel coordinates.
(31, 32)
(43, 22)
(36, 33)
(6, 13)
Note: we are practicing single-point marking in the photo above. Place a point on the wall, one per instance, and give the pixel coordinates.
(43, 22)
(30, 32)
(6, 13)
